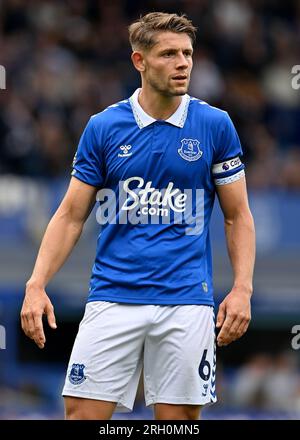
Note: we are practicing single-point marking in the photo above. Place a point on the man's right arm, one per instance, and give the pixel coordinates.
(60, 237)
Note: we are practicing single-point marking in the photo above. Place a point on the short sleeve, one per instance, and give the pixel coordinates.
(227, 166)
(88, 163)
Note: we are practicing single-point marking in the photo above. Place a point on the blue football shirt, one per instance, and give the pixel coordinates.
(156, 181)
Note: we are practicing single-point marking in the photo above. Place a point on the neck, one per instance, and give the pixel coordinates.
(157, 105)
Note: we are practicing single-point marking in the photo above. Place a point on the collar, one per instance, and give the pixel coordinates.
(142, 118)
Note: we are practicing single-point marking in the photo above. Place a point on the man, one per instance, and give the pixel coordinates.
(158, 157)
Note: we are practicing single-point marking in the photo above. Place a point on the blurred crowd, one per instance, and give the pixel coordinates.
(264, 383)
(68, 59)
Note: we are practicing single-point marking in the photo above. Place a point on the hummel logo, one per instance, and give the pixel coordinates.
(205, 388)
(125, 149)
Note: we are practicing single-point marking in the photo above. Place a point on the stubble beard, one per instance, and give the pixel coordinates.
(167, 90)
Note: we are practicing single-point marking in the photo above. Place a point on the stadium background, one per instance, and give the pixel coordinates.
(66, 60)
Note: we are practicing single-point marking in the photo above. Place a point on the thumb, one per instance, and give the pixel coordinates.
(221, 315)
(51, 316)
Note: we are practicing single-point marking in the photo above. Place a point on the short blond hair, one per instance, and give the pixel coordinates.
(142, 32)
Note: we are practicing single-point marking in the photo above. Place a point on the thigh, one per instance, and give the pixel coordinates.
(77, 408)
(179, 356)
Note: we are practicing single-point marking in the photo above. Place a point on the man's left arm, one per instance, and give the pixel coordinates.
(235, 310)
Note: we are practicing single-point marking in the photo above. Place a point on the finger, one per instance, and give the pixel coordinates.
(23, 323)
(233, 331)
(242, 328)
(51, 316)
(221, 315)
(29, 325)
(39, 335)
(223, 335)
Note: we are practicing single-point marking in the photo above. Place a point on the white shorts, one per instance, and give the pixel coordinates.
(174, 344)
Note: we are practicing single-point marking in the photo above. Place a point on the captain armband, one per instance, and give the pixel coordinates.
(228, 171)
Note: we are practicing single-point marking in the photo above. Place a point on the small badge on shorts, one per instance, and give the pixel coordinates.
(76, 375)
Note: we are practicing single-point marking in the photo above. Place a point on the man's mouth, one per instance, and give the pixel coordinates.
(179, 77)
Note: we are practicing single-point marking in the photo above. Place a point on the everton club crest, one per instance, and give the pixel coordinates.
(76, 375)
(190, 150)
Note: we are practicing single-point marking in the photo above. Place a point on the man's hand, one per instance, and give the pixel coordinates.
(36, 303)
(233, 317)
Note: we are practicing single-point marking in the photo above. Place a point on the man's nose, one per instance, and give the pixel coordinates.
(182, 62)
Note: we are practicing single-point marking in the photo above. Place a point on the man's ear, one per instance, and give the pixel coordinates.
(138, 61)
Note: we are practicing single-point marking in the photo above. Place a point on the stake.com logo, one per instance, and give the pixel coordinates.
(140, 202)
(153, 196)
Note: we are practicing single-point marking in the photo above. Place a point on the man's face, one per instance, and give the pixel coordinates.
(168, 64)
